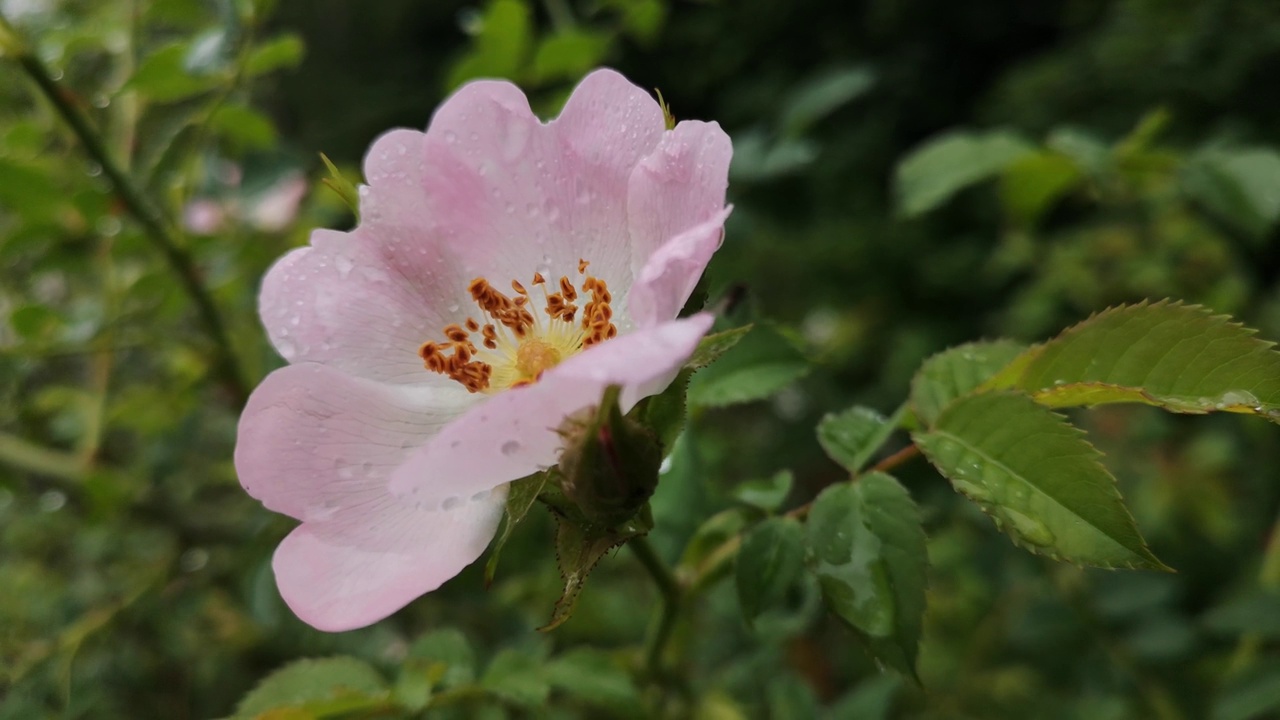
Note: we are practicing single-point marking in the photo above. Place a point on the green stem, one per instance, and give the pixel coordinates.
(657, 641)
(561, 14)
(154, 225)
(1246, 651)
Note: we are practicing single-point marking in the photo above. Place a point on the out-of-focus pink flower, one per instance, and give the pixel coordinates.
(504, 272)
(203, 217)
(276, 209)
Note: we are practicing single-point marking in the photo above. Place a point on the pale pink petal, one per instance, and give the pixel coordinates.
(393, 171)
(513, 433)
(354, 301)
(514, 196)
(668, 279)
(371, 560)
(679, 185)
(313, 440)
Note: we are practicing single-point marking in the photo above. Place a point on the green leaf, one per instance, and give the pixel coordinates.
(449, 649)
(1240, 186)
(665, 413)
(307, 681)
(956, 372)
(711, 347)
(1033, 183)
(339, 183)
(710, 536)
(1254, 613)
(1038, 478)
(518, 677)
(161, 76)
(521, 495)
(822, 95)
(867, 548)
(767, 494)
(504, 34)
(1254, 695)
(569, 54)
(33, 322)
(579, 546)
(947, 164)
(1177, 357)
(759, 365)
(596, 678)
(851, 437)
(283, 51)
(770, 560)
(244, 125)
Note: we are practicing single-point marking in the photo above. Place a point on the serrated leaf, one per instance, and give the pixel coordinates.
(579, 546)
(851, 437)
(867, 548)
(767, 494)
(664, 413)
(1177, 357)
(712, 346)
(770, 560)
(947, 164)
(956, 372)
(309, 681)
(521, 495)
(761, 364)
(1038, 478)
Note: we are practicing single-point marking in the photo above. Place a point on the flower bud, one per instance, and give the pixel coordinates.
(609, 465)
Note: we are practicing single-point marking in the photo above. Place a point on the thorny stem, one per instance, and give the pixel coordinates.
(154, 225)
(669, 588)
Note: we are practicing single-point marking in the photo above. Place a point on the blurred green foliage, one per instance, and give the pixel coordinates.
(908, 175)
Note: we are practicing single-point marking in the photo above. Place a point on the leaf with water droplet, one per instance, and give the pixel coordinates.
(1176, 357)
(866, 546)
(956, 372)
(1038, 478)
(851, 437)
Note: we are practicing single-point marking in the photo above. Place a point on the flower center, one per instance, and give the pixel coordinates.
(518, 344)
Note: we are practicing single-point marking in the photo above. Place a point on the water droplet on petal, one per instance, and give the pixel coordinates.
(510, 447)
(451, 502)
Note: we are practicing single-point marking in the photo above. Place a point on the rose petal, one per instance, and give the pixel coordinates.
(313, 441)
(513, 434)
(393, 171)
(363, 302)
(677, 186)
(514, 196)
(372, 560)
(669, 278)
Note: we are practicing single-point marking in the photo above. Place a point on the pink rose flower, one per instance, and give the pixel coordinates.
(504, 272)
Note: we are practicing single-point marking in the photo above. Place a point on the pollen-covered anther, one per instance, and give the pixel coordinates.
(516, 348)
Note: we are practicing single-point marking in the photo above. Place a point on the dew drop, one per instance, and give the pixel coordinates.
(344, 265)
(451, 502)
(510, 447)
